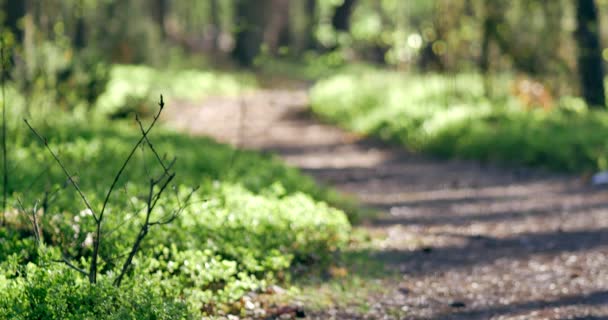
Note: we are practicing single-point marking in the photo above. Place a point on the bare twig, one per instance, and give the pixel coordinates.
(180, 209)
(143, 231)
(142, 130)
(152, 200)
(33, 220)
(96, 239)
(157, 188)
(67, 262)
(65, 170)
(145, 228)
(124, 165)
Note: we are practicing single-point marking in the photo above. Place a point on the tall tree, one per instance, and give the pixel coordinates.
(15, 10)
(215, 25)
(159, 8)
(341, 18)
(590, 68)
(302, 25)
(492, 19)
(276, 31)
(80, 37)
(250, 23)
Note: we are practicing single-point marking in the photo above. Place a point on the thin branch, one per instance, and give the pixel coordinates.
(170, 218)
(162, 189)
(124, 165)
(67, 262)
(65, 170)
(145, 228)
(33, 220)
(96, 240)
(142, 130)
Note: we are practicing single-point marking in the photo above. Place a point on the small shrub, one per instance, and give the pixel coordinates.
(450, 117)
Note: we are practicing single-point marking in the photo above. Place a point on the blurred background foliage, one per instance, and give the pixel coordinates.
(69, 46)
(512, 81)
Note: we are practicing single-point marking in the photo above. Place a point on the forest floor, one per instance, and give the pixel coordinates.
(461, 240)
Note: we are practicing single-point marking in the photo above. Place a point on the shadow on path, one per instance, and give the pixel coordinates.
(504, 242)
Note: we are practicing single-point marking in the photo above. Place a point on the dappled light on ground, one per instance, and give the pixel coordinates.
(460, 240)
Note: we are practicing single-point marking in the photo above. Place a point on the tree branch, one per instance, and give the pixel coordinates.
(67, 262)
(96, 240)
(65, 170)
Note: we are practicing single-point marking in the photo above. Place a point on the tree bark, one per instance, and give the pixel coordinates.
(590, 66)
(309, 31)
(250, 21)
(277, 28)
(160, 12)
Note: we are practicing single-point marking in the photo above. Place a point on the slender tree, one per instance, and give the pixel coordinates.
(276, 30)
(159, 8)
(492, 18)
(250, 24)
(590, 68)
(80, 38)
(302, 25)
(216, 27)
(15, 10)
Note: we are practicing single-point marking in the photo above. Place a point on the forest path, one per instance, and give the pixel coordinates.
(469, 241)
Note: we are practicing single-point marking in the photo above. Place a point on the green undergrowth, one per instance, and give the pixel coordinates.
(310, 67)
(355, 282)
(252, 222)
(450, 116)
(130, 87)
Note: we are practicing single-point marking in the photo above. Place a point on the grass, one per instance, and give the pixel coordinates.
(449, 116)
(355, 282)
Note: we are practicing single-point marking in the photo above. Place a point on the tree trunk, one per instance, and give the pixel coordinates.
(250, 21)
(80, 37)
(590, 65)
(276, 30)
(15, 10)
(309, 31)
(160, 12)
(215, 25)
(302, 22)
(341, 18)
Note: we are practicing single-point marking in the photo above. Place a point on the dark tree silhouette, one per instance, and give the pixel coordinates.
(159, 8)
(590, 66)
(341, 18)
(250, 20)
(15, 10)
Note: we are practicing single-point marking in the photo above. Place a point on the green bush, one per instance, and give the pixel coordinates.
(250, 222)
(54, 292)
(449, 116)
(134, 88)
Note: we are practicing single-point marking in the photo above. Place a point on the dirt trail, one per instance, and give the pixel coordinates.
(471, 241)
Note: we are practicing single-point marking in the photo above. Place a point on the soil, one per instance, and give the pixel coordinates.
(470, 241)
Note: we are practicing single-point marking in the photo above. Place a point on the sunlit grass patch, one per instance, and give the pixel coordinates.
(450, 116)
(136, 87)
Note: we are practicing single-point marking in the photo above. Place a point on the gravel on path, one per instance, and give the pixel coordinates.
(471, 241)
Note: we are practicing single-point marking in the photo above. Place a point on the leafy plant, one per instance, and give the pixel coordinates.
(450, 116)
